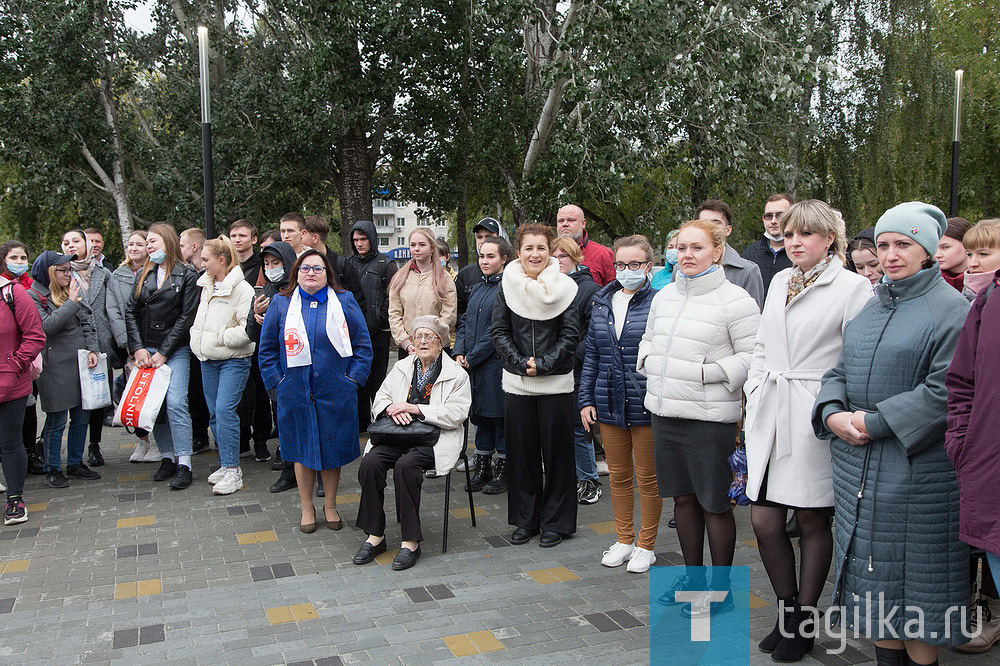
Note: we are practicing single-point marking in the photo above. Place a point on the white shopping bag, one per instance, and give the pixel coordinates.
(95, 389)
(143, 398)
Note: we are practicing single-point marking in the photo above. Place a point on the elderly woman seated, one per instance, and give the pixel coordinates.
(426, 386)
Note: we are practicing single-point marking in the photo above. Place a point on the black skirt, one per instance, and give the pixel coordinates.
(691, 459)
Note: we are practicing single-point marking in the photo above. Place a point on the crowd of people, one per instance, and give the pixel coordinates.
(852, 369)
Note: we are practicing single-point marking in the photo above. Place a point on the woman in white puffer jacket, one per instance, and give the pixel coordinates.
(695, 355)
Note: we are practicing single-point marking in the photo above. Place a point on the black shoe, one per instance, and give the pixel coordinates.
(278, 463)
(549, 539)
(405, 558)
(320, 490)
(482, 470)
(260, 452)
(781, 626)
(588, 492)
(682, 583)
(36, 466)
(368, 552)
(522, 535)
(794, 648)
(81, 471)
(55, 479)
(95, 459)
(285, 482)
(792, 527)
(166, 470)
(199, 445)
(498, 484)
(182, 479)
(705, 608)
(672, 524)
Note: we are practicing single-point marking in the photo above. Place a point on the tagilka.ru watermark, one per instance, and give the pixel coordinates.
(721, 623)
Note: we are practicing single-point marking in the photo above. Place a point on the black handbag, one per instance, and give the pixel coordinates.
(385, 431)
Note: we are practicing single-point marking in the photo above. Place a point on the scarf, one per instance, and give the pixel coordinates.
(957, 280)
(423, 375)
(24, 280)
(976, 282)
(799, 280)
(708, 271)
(298, 351)
(82, 271)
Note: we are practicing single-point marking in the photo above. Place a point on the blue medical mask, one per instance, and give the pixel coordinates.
(671, 256)
(630, 279)
(17, 269)
(274, 274)
(158, 257)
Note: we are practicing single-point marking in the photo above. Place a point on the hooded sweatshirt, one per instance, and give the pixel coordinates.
(282, 251)
(376, 270)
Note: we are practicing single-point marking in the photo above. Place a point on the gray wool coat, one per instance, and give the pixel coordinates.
(68, 328)
(96, 298)
(121, 284)
(896, 498)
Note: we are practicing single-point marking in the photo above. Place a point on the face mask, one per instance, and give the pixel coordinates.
(17, 269)
(274, 274)
(629, 279)
(158, 257)
(773, 238)
(671, 256)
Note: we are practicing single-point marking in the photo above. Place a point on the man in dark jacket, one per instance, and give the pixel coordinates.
(472, 274)
(244, 236)
(314, 233)
(376, 269)
(769, 252)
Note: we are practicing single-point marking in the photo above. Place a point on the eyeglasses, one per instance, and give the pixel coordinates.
(632, 265)
(425, 337)
(62, 270)
(771, 216)
(315, 270)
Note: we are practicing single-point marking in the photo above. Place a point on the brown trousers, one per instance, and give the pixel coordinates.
(630, 454)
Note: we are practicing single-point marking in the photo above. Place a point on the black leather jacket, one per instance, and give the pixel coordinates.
(552, 342)
(161, 318)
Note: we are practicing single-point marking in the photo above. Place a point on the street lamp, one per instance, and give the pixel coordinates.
(206, 132)
(953, 208)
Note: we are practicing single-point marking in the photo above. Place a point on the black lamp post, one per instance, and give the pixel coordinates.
(206, 132)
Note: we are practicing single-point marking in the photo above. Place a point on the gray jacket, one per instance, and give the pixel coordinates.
(896, 498)
(120, 286)
(95, 297)
(68, 328)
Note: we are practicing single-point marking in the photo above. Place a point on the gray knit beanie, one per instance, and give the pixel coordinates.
(922, 222)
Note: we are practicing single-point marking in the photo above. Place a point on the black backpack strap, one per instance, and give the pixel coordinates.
(8, 297)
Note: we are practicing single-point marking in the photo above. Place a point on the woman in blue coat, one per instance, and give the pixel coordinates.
(612, 392)
(314, 353)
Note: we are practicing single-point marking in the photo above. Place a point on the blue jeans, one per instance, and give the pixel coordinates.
(224, 382)
(994, 561)
(586, 461)
(174, 436)
(55, 423)
(489, 435)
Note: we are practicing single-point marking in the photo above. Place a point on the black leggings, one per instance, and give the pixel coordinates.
(14, 457)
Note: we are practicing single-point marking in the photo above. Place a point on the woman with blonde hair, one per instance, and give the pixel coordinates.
(800, 338)
(220, 341)
(421, 287)
(158, 318)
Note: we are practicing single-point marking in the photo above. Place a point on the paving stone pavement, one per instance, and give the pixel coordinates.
(124, 570)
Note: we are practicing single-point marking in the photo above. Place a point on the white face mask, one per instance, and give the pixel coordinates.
(274, 274)
(630, 279)
(773, 238)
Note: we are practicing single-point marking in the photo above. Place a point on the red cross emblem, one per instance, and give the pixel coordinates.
(293, 343)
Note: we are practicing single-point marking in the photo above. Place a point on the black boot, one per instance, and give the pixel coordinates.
(482, 470)
(498, 484)
(889, 657)
(278, 463)
(286, 481)
(36, 466)
(795, 648)
(781, 625)
(95, 459)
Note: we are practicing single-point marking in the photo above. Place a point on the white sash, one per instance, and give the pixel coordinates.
(297, 349)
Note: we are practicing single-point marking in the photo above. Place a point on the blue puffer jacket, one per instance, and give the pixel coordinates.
(473, 341)
(609, 381)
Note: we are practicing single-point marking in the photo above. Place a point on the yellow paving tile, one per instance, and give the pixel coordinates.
(247, 538)
(543, 577)
(349, 498)
(141, 521)
(150, 587)
(266, 536)
(14, 566)
(387, 557)
(279, 615)
(126, 447)
(126, 590)
(553, 575)
(464, 513)
(38, 506)
(485, 641)
(303, 612)
(460, 645)
(750, 542)
(603, 528)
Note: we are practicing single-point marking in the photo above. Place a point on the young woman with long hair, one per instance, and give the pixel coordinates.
(421, 287)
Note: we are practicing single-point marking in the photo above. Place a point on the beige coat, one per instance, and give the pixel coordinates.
(417, 298)
(451, 398)
(219, 332)
(795, 347)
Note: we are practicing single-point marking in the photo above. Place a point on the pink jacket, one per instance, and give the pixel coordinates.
(21, 339)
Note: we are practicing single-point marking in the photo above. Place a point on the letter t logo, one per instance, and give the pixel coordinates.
(701, 618)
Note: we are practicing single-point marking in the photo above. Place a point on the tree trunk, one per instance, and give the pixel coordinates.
(353, 179)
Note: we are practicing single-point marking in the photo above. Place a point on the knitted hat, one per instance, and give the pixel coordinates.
(435, 324)
(922, 222)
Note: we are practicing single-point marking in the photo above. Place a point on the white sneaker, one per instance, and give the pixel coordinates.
(232, 480)
(640, 561)
(139, 454)
(618, 554)
(153, 455)
(602, 468)
(217, 475)
(3, 488)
